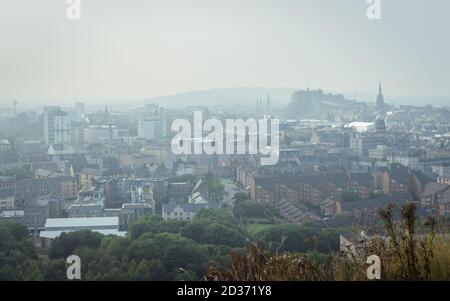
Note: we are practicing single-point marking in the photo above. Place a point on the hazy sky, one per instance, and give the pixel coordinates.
(147, 48)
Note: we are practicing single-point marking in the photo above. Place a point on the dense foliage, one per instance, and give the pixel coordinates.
(154, 249)
(16, 248)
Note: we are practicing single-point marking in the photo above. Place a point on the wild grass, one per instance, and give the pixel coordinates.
(405, 256)
(258, 265)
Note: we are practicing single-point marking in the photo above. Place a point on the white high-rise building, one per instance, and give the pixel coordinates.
(152, 128)
(57, 129)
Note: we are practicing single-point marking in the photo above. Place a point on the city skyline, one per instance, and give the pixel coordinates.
(225, 141)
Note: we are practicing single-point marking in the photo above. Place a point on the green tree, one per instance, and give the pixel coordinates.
(7, 273)
(216, 188)
(349, 196)
(55, 270)
(64, 245)
(154, 224)
(240, 197)
(195, 231)
(250, 209)
(16, 248)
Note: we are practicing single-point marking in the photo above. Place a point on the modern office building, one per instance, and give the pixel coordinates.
(152, 128)
(57, 129)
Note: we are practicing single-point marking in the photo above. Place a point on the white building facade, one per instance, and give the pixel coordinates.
(57, 128)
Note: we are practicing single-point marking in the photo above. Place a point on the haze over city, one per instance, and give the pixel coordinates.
(123, 50)
(225, 141)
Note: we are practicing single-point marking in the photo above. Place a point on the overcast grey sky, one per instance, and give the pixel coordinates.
(147, 48)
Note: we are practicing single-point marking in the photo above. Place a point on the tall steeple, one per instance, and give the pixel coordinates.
(380, 102)
(380, 123)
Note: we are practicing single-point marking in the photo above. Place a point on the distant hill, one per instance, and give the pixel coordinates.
(245, 96)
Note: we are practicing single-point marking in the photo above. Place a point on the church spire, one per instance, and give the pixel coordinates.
(380, 123)
(380, 101)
